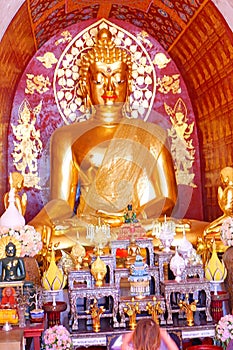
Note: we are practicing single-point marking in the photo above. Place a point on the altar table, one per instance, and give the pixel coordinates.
(33, 332)
(12, 340)
(89, 338)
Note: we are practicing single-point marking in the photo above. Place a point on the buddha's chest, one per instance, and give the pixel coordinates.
(89, 150)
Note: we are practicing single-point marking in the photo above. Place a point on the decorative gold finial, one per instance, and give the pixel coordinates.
(189, 309)
(95, 313)
(154, 309)
(132, 309)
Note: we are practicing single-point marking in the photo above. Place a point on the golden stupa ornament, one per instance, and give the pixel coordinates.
(98, 271)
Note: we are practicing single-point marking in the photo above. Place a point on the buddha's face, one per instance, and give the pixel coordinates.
(10, 250)
(108, 83)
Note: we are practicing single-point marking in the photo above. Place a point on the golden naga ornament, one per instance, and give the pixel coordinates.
(154, 309)
(95, 313)
(188, 308)
(132, 309)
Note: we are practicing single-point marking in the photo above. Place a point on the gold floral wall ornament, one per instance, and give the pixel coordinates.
(48, 59)
(169, 84)
(67, 91)
(37, 83)
(161, 60)
(28, 145)
(182, 149)
(143, 37)
(66, 37)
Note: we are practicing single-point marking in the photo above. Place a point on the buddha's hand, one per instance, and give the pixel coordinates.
(114, 219)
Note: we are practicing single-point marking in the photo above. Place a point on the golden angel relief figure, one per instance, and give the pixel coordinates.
(28, 145)
(181, 143)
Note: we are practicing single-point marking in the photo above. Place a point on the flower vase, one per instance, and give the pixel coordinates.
(21, 315)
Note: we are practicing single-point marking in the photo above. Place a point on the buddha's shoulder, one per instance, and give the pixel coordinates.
(147, 126)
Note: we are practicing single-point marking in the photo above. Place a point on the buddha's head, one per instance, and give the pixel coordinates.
(105, 73)
(10, 249)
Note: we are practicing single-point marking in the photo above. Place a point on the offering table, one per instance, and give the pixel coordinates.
(192, 285)
(91, 294)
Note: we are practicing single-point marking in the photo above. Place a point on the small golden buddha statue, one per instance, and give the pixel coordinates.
(133, 250)
(16, 181)
(225, 201)
(110, 160)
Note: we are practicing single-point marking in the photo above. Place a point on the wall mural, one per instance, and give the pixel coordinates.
(48, 97)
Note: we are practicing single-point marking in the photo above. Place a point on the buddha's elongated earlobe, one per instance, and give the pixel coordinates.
(127, 106)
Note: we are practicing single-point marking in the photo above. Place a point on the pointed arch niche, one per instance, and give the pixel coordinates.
(46, 98)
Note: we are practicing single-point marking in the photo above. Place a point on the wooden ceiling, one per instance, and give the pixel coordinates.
(193, 32)
(163, 19)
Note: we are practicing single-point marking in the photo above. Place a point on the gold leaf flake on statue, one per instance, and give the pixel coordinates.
(48, 59)
(160, 60)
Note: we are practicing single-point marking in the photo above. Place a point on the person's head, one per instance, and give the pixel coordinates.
(105, 72)
(146, 335)
(10, 249)
(8, 291)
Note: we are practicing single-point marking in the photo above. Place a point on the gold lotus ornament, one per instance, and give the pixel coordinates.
(215, 270)
(98, 271)
(54, 278)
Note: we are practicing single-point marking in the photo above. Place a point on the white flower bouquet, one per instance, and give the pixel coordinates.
(27, 236)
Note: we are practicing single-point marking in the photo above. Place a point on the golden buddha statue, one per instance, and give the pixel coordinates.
(225, 201)
(110, 160)
(133, 250)
(16, 181)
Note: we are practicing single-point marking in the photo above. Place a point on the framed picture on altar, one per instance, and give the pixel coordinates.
(8, 305)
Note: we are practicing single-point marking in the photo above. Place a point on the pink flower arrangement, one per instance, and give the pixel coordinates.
(28, 237)
(224, 330)
(57, 337)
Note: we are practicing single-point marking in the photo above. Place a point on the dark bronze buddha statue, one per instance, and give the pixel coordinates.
(12, 268)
